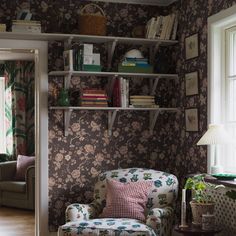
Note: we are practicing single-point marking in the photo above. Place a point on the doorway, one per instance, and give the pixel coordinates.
(40, 51)
(17, 165)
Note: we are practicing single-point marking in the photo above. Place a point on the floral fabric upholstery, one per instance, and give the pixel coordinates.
(82, 219)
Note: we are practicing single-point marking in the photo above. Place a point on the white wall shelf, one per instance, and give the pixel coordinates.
(112, 112)
(142, 2)
(110, 41)
(84, 38)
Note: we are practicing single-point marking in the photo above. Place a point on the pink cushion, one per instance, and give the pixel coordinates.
(23, 162)
(126, 200)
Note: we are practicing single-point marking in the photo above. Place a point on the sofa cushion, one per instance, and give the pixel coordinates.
(23, 162)
(13, 186)
(126, 200)
(107, 226)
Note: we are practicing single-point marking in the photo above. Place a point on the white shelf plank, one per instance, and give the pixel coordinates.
(142, 2)
(112, 112)
(115, 108)
(84, 38)
(110, 74)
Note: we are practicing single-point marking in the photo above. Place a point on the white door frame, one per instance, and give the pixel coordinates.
(41, 127)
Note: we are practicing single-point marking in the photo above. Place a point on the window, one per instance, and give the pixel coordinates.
(230, 97)
(2, 114)
(222, 81)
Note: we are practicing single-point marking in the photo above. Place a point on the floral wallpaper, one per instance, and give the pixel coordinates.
(76, 160)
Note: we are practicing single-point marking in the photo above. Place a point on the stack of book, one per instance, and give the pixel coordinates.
(162, 27)
(2, 27)
(143, 101)
(94, 98)
(82, 58)
(121, 93)
(26, 26)
(135, 65)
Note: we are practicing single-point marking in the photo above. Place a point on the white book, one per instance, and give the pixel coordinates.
(159, 26)
(151, 28)
(163, 28)
(147, 28)
(174, 31)
(158, 21)
(68, 60)
(167, 25)
(122, 92)
(170, 26)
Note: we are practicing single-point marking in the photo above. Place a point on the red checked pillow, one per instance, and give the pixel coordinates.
(126, 200)
(23, 162)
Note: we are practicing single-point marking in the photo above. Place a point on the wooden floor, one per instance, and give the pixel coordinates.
(16, 222)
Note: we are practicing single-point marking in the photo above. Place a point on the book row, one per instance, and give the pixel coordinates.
(162, 27)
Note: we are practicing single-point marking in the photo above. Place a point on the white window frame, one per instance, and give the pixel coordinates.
(217, 24)
(2, 116)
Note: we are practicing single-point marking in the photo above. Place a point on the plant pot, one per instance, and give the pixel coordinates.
(199, 209)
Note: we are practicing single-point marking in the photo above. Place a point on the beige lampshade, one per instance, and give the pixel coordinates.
(216, 134)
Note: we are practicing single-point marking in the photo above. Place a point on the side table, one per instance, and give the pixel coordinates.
(196, 231)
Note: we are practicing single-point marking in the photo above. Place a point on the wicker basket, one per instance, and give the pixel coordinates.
(92, 24)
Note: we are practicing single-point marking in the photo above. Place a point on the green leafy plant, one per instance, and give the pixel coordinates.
(201, 188)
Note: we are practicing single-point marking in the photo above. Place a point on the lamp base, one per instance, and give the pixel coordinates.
(216, 169)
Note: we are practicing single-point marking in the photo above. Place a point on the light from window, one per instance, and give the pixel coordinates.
(2, 115)
(229, 151)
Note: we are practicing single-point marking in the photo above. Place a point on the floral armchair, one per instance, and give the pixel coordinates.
(83, 219)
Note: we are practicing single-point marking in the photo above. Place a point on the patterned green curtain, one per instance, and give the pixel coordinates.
(19, 108)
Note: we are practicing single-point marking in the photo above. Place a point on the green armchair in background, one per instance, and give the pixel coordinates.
(13, 193)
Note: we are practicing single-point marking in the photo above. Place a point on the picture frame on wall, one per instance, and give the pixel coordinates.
(191, 46)
(191, 83)
(191, 119)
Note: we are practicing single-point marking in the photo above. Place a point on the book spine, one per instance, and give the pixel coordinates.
(121, 92)
(68, 60)
(174, 31)
(92, 97)
(127, 93)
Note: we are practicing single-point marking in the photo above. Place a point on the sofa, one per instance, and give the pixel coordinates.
(13, 193)
(85, 219)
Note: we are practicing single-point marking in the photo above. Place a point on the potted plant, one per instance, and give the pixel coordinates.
(202, 202)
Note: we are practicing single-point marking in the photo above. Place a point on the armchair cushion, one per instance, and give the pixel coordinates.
(126, 200)
(13, 186)
(23, 162)
(107, 226)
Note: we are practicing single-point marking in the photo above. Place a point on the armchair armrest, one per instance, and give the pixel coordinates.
(158, 218)
(30, 184)
(78, 212)
(7, 170)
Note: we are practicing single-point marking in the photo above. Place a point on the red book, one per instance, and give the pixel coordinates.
(94, 97)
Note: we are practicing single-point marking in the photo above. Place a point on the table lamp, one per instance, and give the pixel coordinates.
(215, 135)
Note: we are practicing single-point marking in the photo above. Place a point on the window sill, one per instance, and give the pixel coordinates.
(227, 183)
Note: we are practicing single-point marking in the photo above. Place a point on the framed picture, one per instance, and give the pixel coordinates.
(191, 119)
(191, 46)
(191, 83)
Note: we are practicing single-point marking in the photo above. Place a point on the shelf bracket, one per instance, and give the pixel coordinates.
(111, 50)
(153, 119)
(153, 85)
(67, 80)
(111, 119)
(67, 115)
(153, 51)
